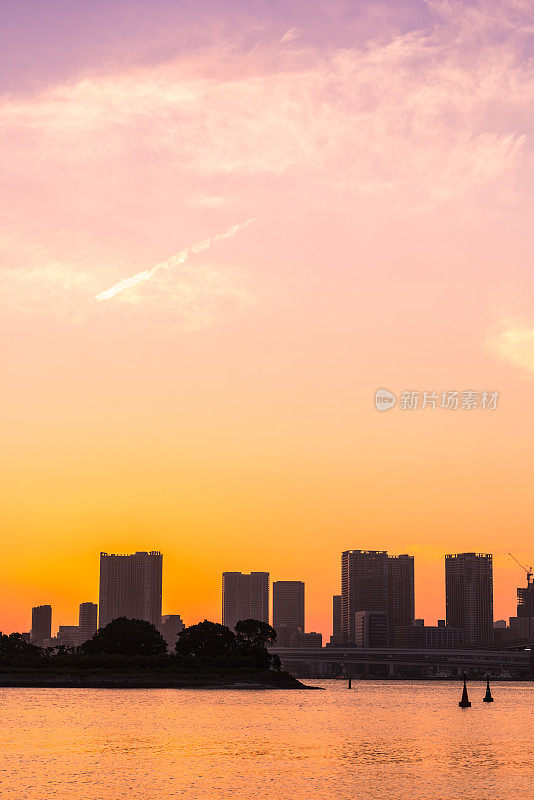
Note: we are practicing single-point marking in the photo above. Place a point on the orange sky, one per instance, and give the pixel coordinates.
(222, 410)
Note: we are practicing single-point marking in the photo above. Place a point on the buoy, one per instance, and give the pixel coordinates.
(487, 697)
(464, 702)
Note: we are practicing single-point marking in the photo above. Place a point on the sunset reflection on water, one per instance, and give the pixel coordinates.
(380, 740)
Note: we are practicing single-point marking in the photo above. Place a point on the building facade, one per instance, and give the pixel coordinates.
(171, 625)
(244, 596)
(41, 625)
(364, 587)
(370, 629)
(288, 610)
(300, 640)
(68, 635)
(87, 621)
(525, 600)
(401, 593)
(337, 635)
(438, 636)
(469, 596)
(130, 586)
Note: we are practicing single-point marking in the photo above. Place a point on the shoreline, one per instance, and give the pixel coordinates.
(34, 680)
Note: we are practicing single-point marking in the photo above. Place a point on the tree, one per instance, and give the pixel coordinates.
(253, 638)
(122, 636)
(207, 640)
(14, 649)
(255, 634)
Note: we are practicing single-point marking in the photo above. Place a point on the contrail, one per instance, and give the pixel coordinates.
(173, 261)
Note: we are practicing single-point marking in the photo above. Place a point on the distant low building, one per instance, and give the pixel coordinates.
(442, 636)
(501, 633)
(521, 630)
(311, 639)
(284, 634)
(370, 629)
(68, 635)
(171, 625)
(409, 637)
(438, 636)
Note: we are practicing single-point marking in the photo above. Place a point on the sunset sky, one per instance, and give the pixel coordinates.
(370, 165)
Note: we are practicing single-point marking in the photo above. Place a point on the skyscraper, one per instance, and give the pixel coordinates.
(130, 586)
(41, 624)
(288, 610)
(469, 596)
(245, 596)
(87, 621)
(364, 586)
(337, 635)
(401, 595)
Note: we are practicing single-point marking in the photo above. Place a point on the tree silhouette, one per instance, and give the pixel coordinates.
(122, 636)
(255, 634)
(253, 638)
(206, 640)
(16, 650)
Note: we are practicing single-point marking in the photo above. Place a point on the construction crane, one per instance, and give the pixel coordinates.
(528, 570)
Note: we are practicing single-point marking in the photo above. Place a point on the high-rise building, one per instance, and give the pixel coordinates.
(245, 596)
(401, 594)
(130, 586)
(337, 635)
(171, 625)
(364, 586)
(288, 610)
(87, 621)
(41, 624)
(469, 596)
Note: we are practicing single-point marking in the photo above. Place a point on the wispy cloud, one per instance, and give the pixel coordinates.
(395, 125)
(290, 35)
(512, 340)
(173, 261)
(196, 296)
(414, 111)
